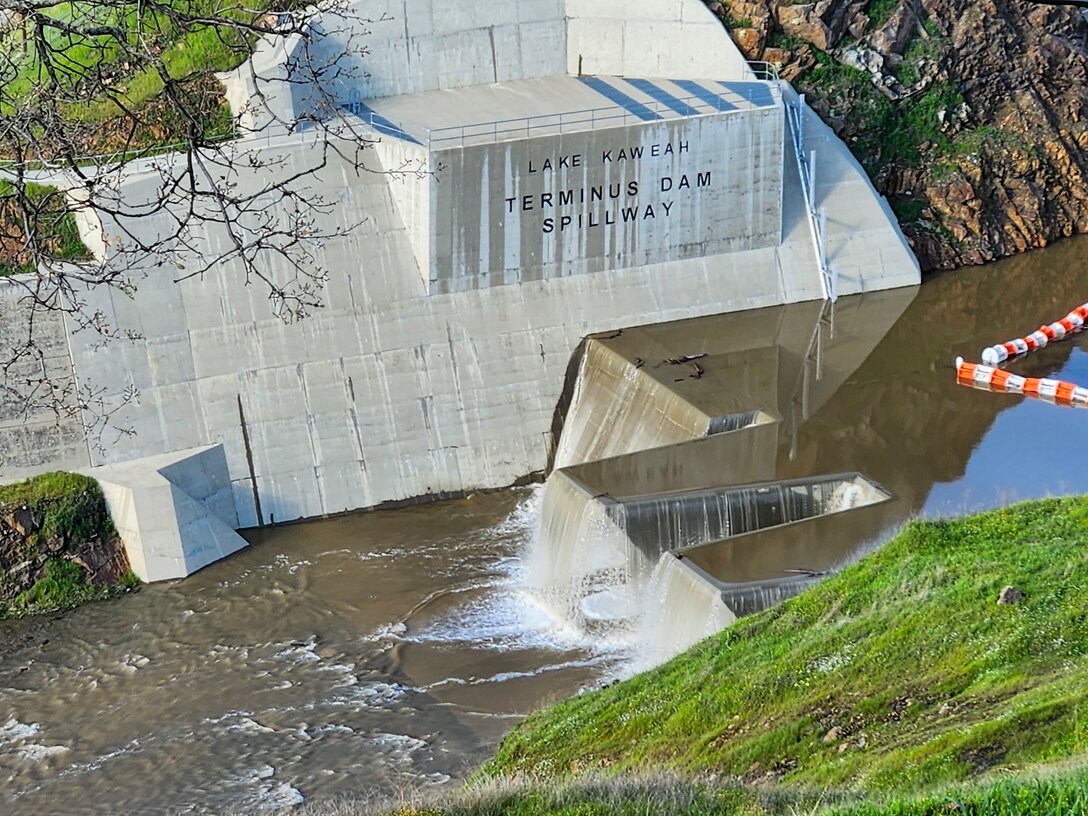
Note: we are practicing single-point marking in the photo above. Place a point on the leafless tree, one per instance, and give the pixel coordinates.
(94, 91)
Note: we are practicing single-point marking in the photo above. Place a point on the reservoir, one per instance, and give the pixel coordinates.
(384, 652)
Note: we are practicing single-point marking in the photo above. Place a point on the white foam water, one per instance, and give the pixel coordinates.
(578, 550)
(680, 608)
(17, 740)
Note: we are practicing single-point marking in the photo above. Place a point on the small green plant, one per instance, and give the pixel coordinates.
(732, 22)
(907, 209)
(879, 11)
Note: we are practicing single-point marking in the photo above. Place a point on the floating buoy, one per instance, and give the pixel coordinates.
(988, 378)
(1058, 330)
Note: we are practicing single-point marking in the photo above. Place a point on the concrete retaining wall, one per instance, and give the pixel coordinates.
(660, 38)
(390, 392)
(568, 204)
(408, 172)
(417, 45)
(36, 434)
(390, 47)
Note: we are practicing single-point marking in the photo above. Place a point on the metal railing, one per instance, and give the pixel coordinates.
(816, 215)
(764, 71)
(576, 120)
(452, 136)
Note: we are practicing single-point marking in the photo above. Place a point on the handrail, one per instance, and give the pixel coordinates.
(563, 121)
(765, 71)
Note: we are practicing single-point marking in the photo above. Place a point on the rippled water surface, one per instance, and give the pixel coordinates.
(380, 651)
(390, 651)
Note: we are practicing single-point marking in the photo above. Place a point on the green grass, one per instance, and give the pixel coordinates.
(69, 505)
(1058, 794)
(879, 11)
(201, 51)
(908, 209)
(1065, 795)
(83, 66)
(732, 22)
(52, 224)
(627, 797)
(70, 511)
(906, 653)
(62, 587)
(882, 133)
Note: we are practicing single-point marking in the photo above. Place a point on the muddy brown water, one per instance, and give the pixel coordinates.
(389, 651)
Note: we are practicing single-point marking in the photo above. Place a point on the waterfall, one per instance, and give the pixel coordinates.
(656, 477)
(679, 608)
(595, 556)
(751, 598)
(616, 408)
(579, 550)
(691, 518)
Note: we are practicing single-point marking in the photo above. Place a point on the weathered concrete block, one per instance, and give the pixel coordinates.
(174, 512)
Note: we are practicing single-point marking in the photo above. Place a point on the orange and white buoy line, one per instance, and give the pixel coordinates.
(988, 378)
(1058, 330)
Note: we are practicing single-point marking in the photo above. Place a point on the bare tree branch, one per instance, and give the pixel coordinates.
(94, 95)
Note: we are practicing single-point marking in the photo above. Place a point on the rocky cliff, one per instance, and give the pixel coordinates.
(971, 116)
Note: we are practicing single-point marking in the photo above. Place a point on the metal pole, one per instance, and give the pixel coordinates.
(812, 179)
(801, 121)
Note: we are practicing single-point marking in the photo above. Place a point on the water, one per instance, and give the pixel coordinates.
(677, 598)
(388, 651)
(634, 413)
(385, 650)
(813, 373)
(579, 549)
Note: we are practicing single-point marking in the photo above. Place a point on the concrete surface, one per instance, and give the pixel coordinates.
(37, 434)
(704, 186)
(383, 48)
(174, 512)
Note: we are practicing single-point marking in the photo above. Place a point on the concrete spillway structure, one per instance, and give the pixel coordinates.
(668, 516)
(540, 171)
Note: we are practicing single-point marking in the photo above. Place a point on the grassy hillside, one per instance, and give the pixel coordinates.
(106, 91)
(900, 673)
(44, 210)
(1063, 794)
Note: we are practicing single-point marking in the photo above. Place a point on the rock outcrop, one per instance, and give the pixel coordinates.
(58, 546)
(971, 116)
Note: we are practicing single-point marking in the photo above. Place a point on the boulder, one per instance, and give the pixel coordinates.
(892, 37)
(1010, 595)
(803, 22)
(749, 41)
(24, 521)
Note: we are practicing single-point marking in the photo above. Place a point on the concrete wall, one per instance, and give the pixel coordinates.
(640, 194)
(402, 387)
(391, 47)
(408, 171)
(35, 433)
(419, 45)
(650, 38)
(388, 392)
(391, 392)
